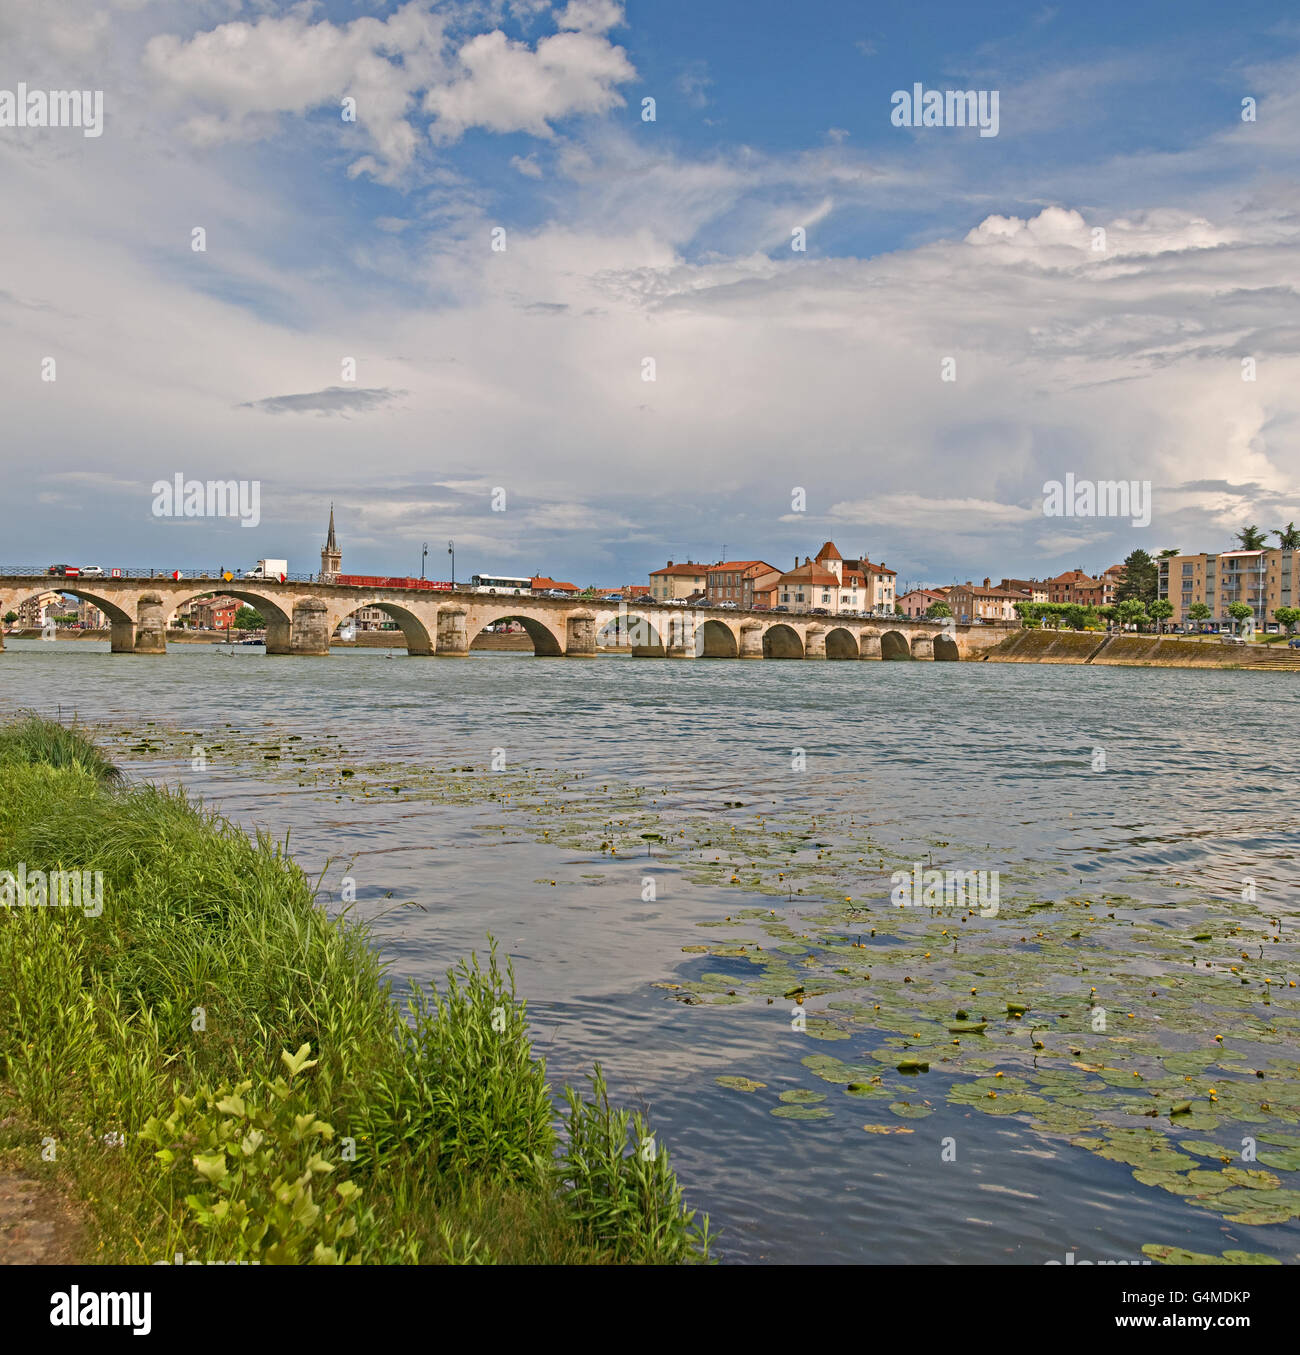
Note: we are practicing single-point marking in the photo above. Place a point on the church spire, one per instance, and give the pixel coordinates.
(331, 557)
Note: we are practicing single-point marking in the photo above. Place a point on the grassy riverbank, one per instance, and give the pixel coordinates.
(217, 1068)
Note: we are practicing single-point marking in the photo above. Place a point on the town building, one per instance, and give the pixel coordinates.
(215, 613)
(877, 590)
(1035, 590)
(541, 584)
(733, 581)
(970, 602)
(91, 617)
(34, 612)
(761, 590)
(1263, 579)
(1075, 587)
(678, 581)
(808, 585)
(917, 601)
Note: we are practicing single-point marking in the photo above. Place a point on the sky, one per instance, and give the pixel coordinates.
(440, 314)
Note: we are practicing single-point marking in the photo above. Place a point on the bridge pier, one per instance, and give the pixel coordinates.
(580, 636)
(121, 637)
(150, 625)
(869, 645)
(751, 640)
(309, 631)
(453, 640)
(814, 645)
(923, 646)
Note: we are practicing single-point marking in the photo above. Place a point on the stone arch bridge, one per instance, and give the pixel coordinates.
(301, 618)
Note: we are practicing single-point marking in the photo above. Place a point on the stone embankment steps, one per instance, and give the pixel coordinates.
(1139, 651)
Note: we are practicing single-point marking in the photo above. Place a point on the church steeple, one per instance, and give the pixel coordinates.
(331, 557)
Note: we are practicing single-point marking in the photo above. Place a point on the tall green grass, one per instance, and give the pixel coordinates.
(32, 740)
(169, 1020)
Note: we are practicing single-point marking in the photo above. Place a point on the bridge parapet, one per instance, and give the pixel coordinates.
(301, 619)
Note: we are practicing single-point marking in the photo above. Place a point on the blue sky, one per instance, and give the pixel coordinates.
(776, 370)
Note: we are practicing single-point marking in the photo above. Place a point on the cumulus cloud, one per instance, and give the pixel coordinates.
(507, 86)
(241, 78)
(591, 16)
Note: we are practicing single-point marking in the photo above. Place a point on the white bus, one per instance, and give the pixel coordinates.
(500, 583)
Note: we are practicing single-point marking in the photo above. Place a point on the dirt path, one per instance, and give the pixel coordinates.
(38, 1227)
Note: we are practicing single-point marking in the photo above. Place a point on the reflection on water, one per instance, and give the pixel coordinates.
(1197, 789)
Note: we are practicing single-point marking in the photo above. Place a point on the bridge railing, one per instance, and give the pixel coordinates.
(141, 572)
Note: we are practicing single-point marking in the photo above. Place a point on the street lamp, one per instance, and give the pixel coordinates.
(423, 554)
(451, 550)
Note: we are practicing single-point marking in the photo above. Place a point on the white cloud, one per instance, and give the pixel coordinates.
(591, 16)
(507, 86)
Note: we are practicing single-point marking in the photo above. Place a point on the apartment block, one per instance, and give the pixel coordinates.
(1263, 579)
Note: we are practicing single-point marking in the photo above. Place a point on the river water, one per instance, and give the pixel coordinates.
(1159, 788)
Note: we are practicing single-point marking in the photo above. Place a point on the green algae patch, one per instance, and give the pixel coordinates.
(739, 1084)
(1180, 1256)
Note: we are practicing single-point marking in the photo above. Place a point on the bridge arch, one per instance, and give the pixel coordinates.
(546, 644)
(114, 611)
(262, 603)
(715, 639)
(945, 649)
(782, 642)
(894, 645)
(414, 630)
(841, 644)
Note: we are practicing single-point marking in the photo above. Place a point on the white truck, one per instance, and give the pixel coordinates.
(268, 569)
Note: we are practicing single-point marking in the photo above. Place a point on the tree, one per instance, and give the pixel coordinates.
(936, 610)
(898, 609)
(1075, 615)
(1288, 539)
(1141, 581)
(1160, 611)
(1284, 616)
(1251, 538)
(1239, 611)
(1169, 552)
(10, 618)
(1198, 612)
(1131, 612)
(247, 619)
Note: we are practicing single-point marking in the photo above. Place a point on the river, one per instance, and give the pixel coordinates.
(1126, 812)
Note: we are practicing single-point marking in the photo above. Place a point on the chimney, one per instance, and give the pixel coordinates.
(670, 564)
(987, 584)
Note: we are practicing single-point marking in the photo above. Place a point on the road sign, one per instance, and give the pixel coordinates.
(115, 573)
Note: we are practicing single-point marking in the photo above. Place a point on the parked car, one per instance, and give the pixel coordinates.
(821, 611)
(1233, 639)
(1293, 644)
(733, 606)
(781, 607)
(612, 597)
(91, 572)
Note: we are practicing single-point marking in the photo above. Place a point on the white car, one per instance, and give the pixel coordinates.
(92, 572)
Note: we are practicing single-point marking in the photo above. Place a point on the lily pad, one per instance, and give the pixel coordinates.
(739, 1084)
